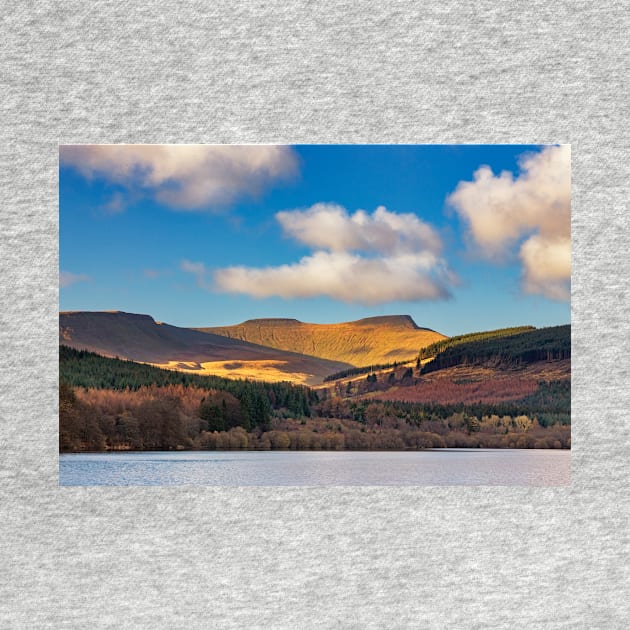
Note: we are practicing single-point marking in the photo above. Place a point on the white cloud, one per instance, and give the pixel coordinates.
(533, 210)
(185, 176)
(547, 266)
(402, 261)
(66, 278)
(329, 226)
(342, 276)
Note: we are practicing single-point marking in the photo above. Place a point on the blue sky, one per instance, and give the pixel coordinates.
(207, 235)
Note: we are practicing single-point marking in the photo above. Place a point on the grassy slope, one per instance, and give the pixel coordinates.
(140, 338)
(360, 343)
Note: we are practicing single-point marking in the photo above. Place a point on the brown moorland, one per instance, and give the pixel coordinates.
(473, 384)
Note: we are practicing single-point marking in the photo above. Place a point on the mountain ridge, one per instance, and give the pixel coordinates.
(379, 339)
(404, 321)
(265, 348)
(138, 337)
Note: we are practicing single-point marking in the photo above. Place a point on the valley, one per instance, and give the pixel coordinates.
(131, 383)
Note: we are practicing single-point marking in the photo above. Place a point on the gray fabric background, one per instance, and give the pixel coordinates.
(313, 558)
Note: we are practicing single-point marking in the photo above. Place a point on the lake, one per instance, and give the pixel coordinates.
(440, 467)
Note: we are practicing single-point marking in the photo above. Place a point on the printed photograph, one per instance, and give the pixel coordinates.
(314, 315)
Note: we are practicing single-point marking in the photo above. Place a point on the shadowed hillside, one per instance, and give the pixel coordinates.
(509, 350)
(375, 340)
(140, 338)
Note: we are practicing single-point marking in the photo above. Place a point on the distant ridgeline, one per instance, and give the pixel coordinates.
(80, 368)
(506, 347)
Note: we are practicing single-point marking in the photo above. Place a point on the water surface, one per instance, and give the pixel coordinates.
(440, 467)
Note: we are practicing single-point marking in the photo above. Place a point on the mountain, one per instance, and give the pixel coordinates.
(364, 342)
(140, 338)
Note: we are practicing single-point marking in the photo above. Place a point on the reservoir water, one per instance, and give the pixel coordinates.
(440, 467)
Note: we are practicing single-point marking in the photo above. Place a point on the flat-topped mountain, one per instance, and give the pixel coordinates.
(364, 342)
(140, 338)
(270, 321)
(390, 321)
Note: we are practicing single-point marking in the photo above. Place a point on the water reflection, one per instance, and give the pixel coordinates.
(469, 467)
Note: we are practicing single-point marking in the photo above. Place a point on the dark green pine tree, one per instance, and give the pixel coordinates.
(213, 416)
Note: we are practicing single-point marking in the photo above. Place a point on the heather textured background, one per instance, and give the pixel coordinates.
(304, 72)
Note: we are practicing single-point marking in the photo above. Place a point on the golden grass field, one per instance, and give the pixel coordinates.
(263, 370)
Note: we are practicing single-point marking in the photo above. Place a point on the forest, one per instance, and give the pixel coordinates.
(80, 368)
(109, 404)
(442, 345)
(514, 349)
(175, 417)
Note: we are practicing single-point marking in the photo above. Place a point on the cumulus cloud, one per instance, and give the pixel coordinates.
(531, 212)
(342, 276)
(547, 266)
(364, 258)
(66, 278)
(187, 177)
(329, 226)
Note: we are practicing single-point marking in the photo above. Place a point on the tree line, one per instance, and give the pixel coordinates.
(550, 404)
(81, 368)
(363, 370)
(544, 344)
(176, 417)
(440, 346)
